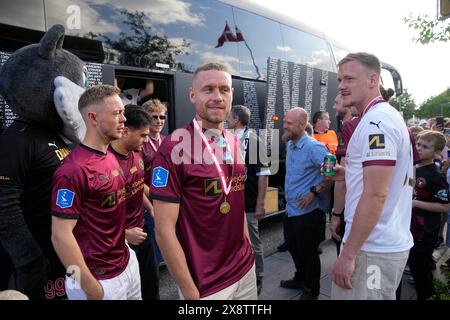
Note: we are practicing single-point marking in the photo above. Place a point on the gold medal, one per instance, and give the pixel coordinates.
(225, 207)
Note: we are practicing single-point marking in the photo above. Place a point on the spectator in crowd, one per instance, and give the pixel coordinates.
(88, 207)
(424, 124)
(416, 130)
(199, 200)
(431, 199)
(256, 182)
(378, 177)
(127, 151)
(322, 132)
(303, 187)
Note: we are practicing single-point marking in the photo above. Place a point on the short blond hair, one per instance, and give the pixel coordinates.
(96, 95)
(154, 105)
(436, 137)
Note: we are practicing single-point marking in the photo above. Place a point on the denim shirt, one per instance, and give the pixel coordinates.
(303, 162)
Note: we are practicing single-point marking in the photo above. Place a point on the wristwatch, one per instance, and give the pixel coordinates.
(314, 191)
(335, 214)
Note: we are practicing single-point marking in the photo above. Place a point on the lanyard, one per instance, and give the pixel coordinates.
(153, 145)
(226, 188)
(372, 103)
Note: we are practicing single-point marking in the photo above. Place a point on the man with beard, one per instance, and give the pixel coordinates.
(198, 196)
(303, 187)
(89, 210)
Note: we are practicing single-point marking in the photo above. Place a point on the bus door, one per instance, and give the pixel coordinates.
(139, 85)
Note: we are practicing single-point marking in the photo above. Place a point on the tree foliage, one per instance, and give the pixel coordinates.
(435, 105)
(142, 47)
(429, 30)
(405, 104)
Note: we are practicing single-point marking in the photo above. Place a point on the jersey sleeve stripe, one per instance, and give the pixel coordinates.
(389, 163)
(165, 199)
(74, 216)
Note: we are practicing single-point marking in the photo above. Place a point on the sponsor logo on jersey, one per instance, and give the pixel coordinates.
(213, 187)
(376, 141)
(443, 195)
(109, 200)
(133, 169)
(64, 198)
(159, 177)
(375, 124)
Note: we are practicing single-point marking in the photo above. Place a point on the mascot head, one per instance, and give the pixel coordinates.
(27, 78)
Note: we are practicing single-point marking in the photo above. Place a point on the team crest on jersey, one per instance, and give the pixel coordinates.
(141, 164)
(109, 200)
(160, 177)
(213, 187)
(421, 182)
(64, 198)
(376, 141)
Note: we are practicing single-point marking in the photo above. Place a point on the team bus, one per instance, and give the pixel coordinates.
(277, 62)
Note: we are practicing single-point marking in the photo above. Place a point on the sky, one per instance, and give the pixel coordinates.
(377, 27)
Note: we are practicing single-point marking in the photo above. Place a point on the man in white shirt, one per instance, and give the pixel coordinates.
(378, 177)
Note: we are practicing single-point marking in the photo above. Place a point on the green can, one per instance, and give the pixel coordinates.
(328, 165)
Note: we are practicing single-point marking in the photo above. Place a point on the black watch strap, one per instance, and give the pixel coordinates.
(314, 191)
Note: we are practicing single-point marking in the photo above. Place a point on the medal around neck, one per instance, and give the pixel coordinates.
(225, 207)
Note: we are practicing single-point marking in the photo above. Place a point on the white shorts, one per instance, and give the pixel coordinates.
(125, 286)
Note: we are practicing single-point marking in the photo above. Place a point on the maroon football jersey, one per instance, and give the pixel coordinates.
(88, 186)
(133, 168)
(345, 134)
(217, 252)
(147, 154)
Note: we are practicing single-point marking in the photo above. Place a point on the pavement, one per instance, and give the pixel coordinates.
(279, 266)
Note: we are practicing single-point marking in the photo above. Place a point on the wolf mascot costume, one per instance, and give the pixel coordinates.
(42, 84)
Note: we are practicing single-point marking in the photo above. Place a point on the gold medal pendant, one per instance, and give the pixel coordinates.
(225, 207)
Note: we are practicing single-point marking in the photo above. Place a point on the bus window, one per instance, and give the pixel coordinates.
(304, 48)
(339, 53)
(253, 27)
(180, 33)
(23, 13)
(386, 79)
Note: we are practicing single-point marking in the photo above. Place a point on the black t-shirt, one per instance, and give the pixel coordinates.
(29, 156)
(430, 187)
(254, 166)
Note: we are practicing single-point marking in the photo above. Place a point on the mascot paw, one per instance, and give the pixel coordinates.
(66, 98)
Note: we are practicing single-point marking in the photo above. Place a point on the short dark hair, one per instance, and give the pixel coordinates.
(317, 116)
(368, 60)
(136, 117)
(242, 113)
(211, 66)
(96, 94)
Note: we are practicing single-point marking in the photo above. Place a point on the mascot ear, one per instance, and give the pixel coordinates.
(51, 41)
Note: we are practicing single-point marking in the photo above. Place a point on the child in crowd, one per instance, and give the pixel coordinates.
(431, 199)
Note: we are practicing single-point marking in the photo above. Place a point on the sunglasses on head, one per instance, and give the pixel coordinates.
(161, 117)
